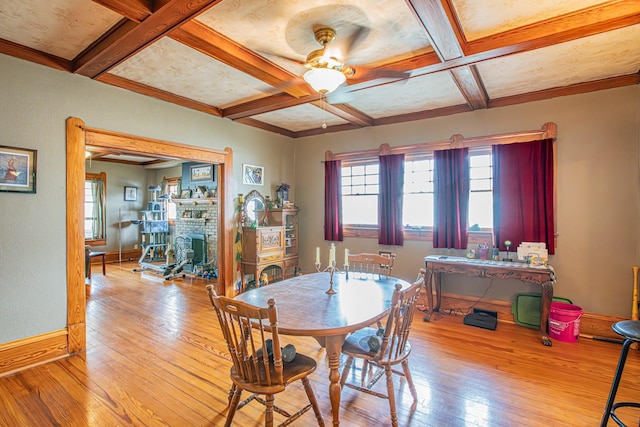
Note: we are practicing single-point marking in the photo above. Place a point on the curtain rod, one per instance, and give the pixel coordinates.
(548, 131)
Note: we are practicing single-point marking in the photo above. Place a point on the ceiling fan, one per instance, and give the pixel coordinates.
(327, 69)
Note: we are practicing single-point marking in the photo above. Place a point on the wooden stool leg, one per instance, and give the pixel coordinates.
(104, 267)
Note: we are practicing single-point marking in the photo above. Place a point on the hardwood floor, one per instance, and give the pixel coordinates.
(155, 356)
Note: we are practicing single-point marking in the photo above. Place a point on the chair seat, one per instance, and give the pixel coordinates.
(629, 329)
(356, 345)
(300, 367)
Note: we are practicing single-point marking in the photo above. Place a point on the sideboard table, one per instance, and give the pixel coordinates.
(437, 265)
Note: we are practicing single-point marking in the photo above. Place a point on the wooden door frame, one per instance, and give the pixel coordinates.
(78, 137)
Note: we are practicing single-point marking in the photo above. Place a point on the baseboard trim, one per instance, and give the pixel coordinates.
(113, 257)
(25, 353)
(592, 325)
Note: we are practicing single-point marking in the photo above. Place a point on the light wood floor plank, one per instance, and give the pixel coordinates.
(155, 357)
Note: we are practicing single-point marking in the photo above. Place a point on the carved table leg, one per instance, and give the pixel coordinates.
(433, 278)
(545, 305)
(333, 345)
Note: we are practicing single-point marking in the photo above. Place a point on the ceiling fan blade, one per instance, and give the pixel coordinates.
(340, 97)
(268, 55)
(364, 73)
(353, 40)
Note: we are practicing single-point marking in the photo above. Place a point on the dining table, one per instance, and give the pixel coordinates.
(305, 308)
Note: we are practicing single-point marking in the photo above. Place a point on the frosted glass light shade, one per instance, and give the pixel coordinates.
(324, 80)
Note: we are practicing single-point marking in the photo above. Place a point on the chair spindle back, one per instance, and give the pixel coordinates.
(244, 327)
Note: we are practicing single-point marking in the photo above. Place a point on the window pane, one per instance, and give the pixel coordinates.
(360, 210)
(373, 168)
(480, 173)
(357, 170)
(417, 210)
(360, 187)
(480, 185)
(357, 180)
(480, 160)
(481, 209)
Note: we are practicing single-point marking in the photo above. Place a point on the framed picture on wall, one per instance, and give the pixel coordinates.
(17, 170)
(252, 175)
(130, 193)
(202, 173)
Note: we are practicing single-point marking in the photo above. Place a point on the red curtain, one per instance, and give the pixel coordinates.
(390, 200)
(523, 193)
(451, 198)
(333, 200)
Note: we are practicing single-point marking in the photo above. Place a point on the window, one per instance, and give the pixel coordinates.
(480, 190)
(360, 192)
(417, 208)
(95, 209)
(360, 185)
(172, 190)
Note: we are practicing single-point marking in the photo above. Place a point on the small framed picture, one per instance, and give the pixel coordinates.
(252, 175)
(17, 170)
(187, 214)
(185, 194)
(202, 173)
(130, 193)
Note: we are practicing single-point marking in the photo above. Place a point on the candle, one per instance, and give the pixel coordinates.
(317, 255)
(346, 257)
(332, 255)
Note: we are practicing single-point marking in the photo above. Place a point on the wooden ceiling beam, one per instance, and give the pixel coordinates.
(158, 94)
(440, 25)
(471, 86)
(266, 105)
(135, 10)
(346, 112)
(265, 126)
(330, 129)
(171, 15)
(28, 54)
(223, 49)
(593, 20)
(592, 86)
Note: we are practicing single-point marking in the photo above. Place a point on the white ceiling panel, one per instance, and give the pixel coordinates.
(587, 59)
(289, 32)
(179, 53)
(484, 18)
(416, 94)
(302, 117)
(62, 28)
(190, 74)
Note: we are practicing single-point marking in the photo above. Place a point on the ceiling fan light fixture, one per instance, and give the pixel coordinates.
(324, 80)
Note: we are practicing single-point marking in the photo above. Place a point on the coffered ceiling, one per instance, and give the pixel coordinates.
(242, 59)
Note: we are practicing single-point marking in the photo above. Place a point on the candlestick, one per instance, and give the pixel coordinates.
(346, 257)
(317, 255)
(332, 254)
(331, 268)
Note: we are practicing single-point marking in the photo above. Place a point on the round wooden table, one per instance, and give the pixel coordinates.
(305, 309)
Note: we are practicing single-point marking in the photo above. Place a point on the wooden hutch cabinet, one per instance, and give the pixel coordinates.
(263, 248)
(288, 218)
(270, 241)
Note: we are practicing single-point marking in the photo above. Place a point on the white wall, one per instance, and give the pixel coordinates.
(598, 192)
(35, 102)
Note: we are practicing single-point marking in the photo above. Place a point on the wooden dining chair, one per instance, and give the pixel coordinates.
(391, 347)
(366, 264)
(246, 329)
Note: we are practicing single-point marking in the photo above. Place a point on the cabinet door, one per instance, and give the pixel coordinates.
(270, 240)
